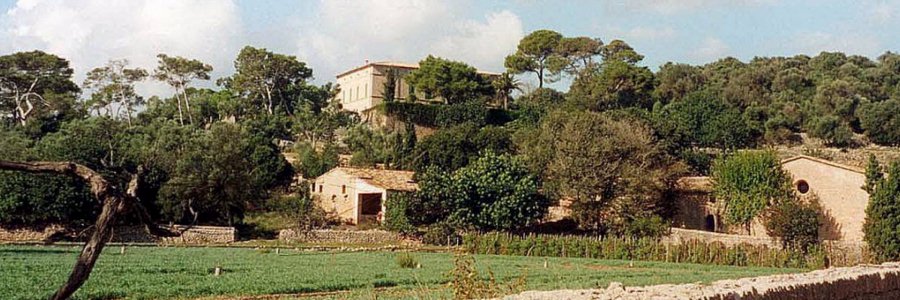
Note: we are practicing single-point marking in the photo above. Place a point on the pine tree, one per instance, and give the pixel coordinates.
(883, 216)
(873, 174)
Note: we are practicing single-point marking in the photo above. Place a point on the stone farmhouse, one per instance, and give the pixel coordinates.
(356, 195)
(839, 189)
(362, 88)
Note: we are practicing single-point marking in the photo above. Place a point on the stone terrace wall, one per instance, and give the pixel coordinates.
(124, 234)
(678, 236)
(340, 236)
(29, 234)
(859, 282)
(189, 235)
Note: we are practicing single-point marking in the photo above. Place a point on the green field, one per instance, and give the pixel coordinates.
(33, 272)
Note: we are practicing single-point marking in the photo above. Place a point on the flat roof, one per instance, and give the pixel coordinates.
(398, 64)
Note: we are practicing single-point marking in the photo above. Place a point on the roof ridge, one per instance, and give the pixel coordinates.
(824, 161)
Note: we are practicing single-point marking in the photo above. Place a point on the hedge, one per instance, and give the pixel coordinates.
(647, 249)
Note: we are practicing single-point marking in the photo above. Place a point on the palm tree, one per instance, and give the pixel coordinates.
(505, 85)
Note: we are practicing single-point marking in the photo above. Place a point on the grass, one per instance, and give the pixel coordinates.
(33, 272)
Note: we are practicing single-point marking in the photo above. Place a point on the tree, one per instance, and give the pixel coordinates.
(505, 85)
(312, 163)
(452, 148)
(874, 174)
(747, 183)
(113, 86)
(832, 130)
(882, 220)
(493, 192)
(536, 53)
(179, 72)
(700, 121)
(453, 81)
(220, 174)
(615, 84)
(578, 53)
(390, 85)
(677, 81)
(881, 121)
(36, 84)
(795, 222)
(613, 171)
(115, 202)
(268, 79)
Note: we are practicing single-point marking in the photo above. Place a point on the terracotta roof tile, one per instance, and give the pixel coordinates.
(387, 179)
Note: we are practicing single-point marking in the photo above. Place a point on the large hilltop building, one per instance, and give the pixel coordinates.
(362, 88)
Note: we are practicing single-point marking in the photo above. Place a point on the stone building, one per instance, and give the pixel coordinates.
(357, 195)
(362, 88)
(839, 189)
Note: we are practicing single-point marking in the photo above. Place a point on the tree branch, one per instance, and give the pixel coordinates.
(114, 201)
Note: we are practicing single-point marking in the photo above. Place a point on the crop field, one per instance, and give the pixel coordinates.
(33, 272)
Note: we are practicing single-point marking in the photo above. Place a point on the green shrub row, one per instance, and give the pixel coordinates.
(646, 249)
(443, 115)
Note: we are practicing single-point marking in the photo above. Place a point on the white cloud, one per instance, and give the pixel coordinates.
(711, 49)
(90, 32)
(483, 44)
(345, 33)
(678, 6)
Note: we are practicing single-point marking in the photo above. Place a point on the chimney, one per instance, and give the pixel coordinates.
(367, 61)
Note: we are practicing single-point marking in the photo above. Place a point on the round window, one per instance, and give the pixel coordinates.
(802, 186)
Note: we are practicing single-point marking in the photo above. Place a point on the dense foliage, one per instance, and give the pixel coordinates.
(795, 222)
(747, 183)
(493, 192)
(882, 219)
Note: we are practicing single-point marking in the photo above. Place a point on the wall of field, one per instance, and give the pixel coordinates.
(340, 236)
(123, 234)
(859, 282)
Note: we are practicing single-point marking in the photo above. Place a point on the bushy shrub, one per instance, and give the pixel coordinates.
(441, 234)
(795, 222)
(407, 261)
(747, 182)
(495, 192)
(396, 210)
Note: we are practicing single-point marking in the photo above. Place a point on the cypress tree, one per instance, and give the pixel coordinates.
(873, 174)
(883, 216)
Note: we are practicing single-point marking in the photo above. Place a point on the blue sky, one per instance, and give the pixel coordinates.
(332, 36)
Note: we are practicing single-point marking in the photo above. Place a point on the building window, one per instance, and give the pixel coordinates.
(802, 186)
(320, 187)
(312, 188)
(366, 91)
(357, 93)
(343, 189)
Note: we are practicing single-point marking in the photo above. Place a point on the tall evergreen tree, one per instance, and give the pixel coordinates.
(883, 217)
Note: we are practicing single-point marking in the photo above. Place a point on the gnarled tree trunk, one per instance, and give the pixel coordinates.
(114, 203)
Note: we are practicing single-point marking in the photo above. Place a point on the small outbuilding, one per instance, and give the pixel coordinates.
(357, 195)
(839, 189)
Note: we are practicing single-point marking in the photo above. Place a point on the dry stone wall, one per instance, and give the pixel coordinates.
(30, 234)
(340, 236)
(123, 234)
(859, 282)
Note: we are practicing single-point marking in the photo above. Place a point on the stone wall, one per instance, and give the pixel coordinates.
(859, 282)
(678, 236)
(122, 234)
(30, 234)
(340, 236)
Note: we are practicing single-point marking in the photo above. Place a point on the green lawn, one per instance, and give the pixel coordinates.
(33, 272)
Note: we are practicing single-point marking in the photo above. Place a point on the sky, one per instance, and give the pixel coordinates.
(336, 35)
